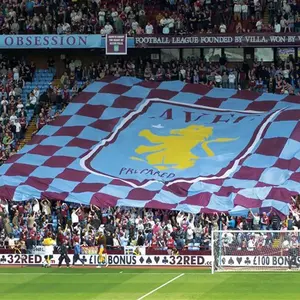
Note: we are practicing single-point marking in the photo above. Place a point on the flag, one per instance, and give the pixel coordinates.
(167, 145)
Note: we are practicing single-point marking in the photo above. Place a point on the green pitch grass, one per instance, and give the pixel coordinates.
(132, 284)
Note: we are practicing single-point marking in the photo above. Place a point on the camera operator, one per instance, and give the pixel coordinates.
(293, 252)
(63, 251)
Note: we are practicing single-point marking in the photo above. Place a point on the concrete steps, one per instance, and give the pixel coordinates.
(29, 132)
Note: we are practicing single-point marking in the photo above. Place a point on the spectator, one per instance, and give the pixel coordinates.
(15, 220)
(259, 85)
(232, 80)
(118, 23)
(239, 28)
(164, 25)
(134, 25)
(17, 130)
(223, 28)
(244, 10)
(31, 101)
(225, 80)
(4, 104)
(277, 27)
(259, 25)
(36, 92)
(257, 9)
(286, 7)
(149, 28)
(218, 80)
(237, 9)
(140, 239)
(265, 221)
(93, 18)
(108, 29)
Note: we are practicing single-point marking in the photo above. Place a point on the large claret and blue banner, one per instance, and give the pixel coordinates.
(168, 145)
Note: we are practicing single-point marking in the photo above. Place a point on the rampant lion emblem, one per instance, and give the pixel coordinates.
(175, 150)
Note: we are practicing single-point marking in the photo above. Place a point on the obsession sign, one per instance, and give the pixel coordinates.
(50, 41)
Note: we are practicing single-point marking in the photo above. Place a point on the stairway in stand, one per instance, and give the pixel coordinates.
(42, 80)
(266, 17)
(31, 128)
(276, 243)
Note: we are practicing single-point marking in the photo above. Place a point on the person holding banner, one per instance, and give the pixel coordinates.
(102, 259)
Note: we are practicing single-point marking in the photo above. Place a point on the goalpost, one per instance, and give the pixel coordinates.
(255, 250)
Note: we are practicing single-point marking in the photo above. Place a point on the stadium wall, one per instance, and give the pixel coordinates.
(115, 260)
(154, 260)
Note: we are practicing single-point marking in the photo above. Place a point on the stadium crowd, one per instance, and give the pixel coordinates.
(27, 224)
(282, 77)
(30, 222)
(138, 17)
(15, 105)
(13, 109)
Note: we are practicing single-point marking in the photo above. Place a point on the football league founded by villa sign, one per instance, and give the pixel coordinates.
(118, 44)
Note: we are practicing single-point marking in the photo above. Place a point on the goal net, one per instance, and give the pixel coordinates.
(261, 250)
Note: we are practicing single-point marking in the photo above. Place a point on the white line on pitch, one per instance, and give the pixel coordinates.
(161, 286)
(93, 273)
(137, 273)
